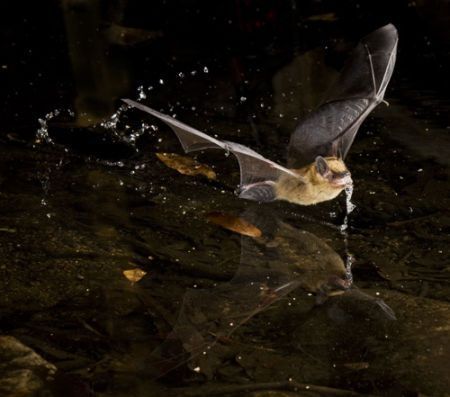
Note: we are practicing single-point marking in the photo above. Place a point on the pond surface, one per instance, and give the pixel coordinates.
(218, 313)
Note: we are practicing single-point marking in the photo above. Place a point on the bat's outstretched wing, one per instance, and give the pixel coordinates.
(258, 174)
(331, 129)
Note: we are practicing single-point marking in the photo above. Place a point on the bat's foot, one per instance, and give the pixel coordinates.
(262, 191)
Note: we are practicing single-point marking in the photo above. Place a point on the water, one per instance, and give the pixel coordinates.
(349, 207)
(42, 134)
(111, 216)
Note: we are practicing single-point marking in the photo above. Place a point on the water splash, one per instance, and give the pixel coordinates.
(348, 199)
(349, 207)
(42, 134)
(111, 123)
(141, 92)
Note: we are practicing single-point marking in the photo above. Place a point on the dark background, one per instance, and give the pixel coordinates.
(85, 55)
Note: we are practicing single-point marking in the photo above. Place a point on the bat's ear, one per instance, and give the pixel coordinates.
(322, 166)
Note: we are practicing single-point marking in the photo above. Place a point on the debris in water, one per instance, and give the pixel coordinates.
(186, 165)
(134, 275)
(234, 224)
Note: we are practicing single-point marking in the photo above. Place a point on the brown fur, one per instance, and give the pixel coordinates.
(312, 188)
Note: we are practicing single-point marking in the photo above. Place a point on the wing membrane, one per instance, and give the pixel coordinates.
(254, 167)
(331, 129)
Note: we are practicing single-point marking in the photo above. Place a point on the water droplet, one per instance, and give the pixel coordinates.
(141, 92)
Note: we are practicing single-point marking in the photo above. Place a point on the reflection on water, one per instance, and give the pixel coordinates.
(271, 267)
(271, 309)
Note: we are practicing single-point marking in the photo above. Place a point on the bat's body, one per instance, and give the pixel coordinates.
(316, 171)
(311, 187)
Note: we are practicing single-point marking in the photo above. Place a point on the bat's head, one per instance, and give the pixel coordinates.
(333, 171)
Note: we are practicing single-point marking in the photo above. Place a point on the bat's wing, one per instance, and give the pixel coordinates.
(331, 129)
(258, 174)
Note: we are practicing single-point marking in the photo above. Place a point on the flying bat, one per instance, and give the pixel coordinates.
(316, 171)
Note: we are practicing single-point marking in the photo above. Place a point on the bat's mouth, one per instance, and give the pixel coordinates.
(342, 181)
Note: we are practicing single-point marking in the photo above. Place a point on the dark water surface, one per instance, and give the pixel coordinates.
(218, 313)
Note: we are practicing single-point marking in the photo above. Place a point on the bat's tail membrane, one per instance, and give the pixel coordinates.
(261, 191)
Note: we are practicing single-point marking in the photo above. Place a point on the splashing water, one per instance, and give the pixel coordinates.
(141, 92)
(111, 124)
(127, 134)
(42, 134)
(349, 207)
(348, 199)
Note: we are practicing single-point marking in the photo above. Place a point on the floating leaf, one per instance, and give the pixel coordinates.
(234, 223)
(186, 165)
(134, 275)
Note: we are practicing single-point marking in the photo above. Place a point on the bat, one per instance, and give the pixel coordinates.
(315, 171)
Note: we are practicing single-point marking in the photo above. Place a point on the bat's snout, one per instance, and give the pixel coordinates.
(342, 180)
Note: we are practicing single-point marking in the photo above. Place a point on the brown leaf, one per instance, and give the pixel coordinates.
(134, 275)
(186, 165)
(234, 223)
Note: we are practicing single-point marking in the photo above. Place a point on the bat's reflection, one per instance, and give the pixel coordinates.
(271, 266)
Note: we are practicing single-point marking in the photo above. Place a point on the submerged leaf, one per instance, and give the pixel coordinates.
(134, 275)
(186, 165)
(234, 223)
